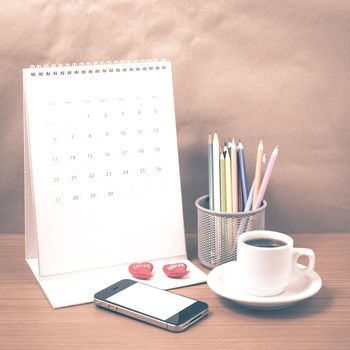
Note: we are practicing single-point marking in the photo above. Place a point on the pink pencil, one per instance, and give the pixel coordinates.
(266, 178)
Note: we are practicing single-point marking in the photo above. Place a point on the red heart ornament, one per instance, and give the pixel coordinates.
(176, 270)
(141, 270)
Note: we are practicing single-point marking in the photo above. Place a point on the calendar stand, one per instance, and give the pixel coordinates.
(101, 163)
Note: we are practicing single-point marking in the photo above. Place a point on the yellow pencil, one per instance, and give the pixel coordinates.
(228, 180)
(222, 182)
(258, 171)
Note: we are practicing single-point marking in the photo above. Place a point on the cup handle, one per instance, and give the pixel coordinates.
(298, 252)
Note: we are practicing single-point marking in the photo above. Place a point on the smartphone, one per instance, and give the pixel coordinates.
(152, 305)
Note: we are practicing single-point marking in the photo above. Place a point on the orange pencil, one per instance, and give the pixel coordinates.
(258, 171)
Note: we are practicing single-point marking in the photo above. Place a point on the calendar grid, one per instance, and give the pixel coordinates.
(95, 149)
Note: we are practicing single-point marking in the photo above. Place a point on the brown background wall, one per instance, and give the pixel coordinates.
(276, 70)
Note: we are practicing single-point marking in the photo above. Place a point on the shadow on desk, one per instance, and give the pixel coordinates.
(302, 309)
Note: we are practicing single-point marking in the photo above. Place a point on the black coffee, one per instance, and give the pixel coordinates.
(265, 243)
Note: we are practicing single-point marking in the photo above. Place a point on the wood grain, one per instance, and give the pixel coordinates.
(27, 321)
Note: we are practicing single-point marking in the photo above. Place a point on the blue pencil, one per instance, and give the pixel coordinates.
(243, 173)
(248, 205)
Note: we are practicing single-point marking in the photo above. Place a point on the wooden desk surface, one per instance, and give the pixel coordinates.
(27, 320)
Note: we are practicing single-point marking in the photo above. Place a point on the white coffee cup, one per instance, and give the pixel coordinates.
(266, 271)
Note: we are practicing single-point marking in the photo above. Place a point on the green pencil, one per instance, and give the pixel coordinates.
(210, 173)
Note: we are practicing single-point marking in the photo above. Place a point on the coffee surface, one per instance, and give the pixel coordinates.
(265, 243)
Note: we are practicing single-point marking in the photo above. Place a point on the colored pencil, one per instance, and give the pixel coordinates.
(248, 205)
(228, 181)
(234, 177)
(216, 173)
(266, 178)
(210, 173)
(222, 183)
(258, 171)
(243, 173)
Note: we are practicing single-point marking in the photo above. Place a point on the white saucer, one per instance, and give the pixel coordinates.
(224, 281)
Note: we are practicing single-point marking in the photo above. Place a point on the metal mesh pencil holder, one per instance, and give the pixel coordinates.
(218, 231)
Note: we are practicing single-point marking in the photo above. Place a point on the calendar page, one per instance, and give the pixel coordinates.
(103, 165)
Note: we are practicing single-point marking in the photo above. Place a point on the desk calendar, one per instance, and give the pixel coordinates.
(102, 182)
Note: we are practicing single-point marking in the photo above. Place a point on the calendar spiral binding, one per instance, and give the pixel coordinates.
(98, 67)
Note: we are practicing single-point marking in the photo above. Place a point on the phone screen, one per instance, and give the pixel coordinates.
(151, 301)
